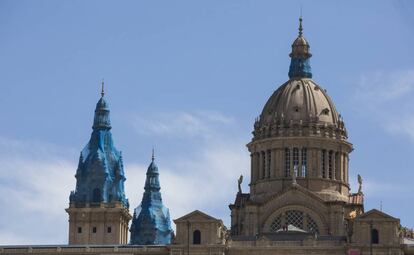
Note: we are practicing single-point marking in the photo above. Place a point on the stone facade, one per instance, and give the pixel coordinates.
(98, 224)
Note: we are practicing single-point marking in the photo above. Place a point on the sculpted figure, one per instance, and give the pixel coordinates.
(240, 182)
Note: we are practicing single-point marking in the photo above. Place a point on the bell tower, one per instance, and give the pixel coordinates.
(98, 208)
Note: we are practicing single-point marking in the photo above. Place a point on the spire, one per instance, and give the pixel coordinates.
(151, 222)
(152, 182)
(100, 175)
(300, 64)
(102, 90)
(102, 120)
(300, 27)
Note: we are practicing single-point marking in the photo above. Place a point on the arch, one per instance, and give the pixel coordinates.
(374, 236)
(96, 195)
(197, 237)
(299, 216)
(297, 198)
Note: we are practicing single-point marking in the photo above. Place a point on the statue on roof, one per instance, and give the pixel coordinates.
(360, 184)
(239, 182)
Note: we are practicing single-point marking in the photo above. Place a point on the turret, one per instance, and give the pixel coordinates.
(100, 181)
(151, 222)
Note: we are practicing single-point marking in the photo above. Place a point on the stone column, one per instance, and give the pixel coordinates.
(273, 164)
(252, 172)
(319, 163)
(261, 166)
(300, 162)
(291, 170)
(333, 165)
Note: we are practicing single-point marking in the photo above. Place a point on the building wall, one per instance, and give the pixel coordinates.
(106, 216)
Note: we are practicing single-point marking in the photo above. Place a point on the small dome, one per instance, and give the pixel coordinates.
(102, 104)
(300, 48)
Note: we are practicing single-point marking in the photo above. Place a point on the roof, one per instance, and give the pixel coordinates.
(197, 215)
(376, 214)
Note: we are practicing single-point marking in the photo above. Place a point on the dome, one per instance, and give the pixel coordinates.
(300, 107)
(102, 104)
(300, 101)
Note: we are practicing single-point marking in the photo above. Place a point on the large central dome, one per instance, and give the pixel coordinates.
(300, 106)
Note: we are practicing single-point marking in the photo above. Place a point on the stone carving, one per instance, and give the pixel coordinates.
(239, 182)
(360, 184)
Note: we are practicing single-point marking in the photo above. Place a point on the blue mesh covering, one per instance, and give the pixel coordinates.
(300, 64)
(151, 221)
(100, 175)
(300, 67)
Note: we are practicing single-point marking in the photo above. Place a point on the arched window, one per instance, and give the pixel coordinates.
(96, 196)
(296, 218)
(197, 237)
(374, 236)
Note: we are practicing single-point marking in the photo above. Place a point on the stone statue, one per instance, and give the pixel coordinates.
(360, 184)
(240, 182)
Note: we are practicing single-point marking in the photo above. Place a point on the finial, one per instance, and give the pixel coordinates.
(103, 89)
(300, 24)
(153, 157)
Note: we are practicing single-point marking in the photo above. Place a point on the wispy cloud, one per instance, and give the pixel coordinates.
(207, 182)
(180, 124)
(386, 97)
(37, 177)
(35, 183)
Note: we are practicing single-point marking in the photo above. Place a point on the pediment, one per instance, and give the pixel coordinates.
(196, 216)
(297, 193)
(375, 214)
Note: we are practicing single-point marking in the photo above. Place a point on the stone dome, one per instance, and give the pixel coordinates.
(300, 107)
(300, 101)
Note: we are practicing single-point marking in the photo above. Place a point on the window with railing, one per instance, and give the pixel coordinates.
(330, 165)
(268, 162)
(295, 161)
(304, 170)
(323, 163)
(287, 162)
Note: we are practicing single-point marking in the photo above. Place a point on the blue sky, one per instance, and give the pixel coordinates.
(189, 77)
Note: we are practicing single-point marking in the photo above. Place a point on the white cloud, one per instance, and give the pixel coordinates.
(207, 182)
(35, 185)
(180, 124)
(38, 177)
(387, 99)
